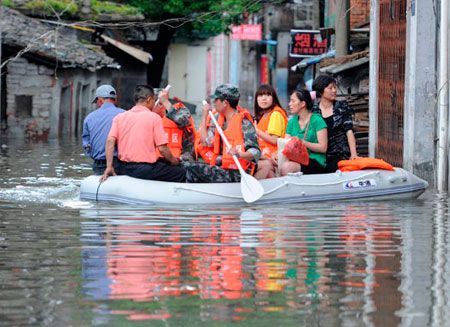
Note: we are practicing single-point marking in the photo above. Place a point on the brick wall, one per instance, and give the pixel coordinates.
(40, 106)
(359, 12)
(25, 79)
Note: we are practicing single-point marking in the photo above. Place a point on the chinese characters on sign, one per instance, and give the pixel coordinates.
(307, 43)
(246, 32)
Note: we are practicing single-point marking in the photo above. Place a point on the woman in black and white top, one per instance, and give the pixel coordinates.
(338, 117)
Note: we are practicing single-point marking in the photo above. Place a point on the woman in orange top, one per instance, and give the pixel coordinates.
(272, 121)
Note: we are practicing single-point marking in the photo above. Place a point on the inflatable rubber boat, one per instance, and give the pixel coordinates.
(295, 188)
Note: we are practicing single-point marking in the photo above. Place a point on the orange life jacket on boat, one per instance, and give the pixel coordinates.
(235, 137)
(174, 136)
(364, 163)
(203, 151)
(175, 133)
(267, 148)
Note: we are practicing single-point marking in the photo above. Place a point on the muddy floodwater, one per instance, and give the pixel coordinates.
(66, 262)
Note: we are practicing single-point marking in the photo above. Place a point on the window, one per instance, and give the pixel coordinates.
(24, 106)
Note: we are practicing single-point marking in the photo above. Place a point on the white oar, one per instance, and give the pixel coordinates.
(251, 189)
(167, 88)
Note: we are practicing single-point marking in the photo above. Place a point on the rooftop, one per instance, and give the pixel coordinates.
(50, 43)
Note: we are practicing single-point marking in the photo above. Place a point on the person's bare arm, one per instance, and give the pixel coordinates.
(109, 149)
(203, 123)
(322, 145)
(167, 154)
(271, 138)
(352, 144)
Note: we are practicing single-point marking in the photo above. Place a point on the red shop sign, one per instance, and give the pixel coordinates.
(307, 43)
(246, 32)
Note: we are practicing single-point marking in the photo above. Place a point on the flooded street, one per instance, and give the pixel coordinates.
(66, 262)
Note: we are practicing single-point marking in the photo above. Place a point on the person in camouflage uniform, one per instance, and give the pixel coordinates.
(182, 117)
(226, 98)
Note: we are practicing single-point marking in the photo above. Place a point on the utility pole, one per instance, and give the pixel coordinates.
(443, 101)
(1, 77)
(342, 27)
(373, 76)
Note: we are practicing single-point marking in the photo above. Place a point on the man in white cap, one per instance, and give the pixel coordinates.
(96, 127)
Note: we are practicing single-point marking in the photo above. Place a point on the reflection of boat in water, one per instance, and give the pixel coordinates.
(295, 188)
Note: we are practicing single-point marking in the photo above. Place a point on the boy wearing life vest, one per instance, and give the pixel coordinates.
(178, 126)
(238, 127)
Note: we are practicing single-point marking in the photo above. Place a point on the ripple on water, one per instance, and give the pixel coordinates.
(67, 262)
(40, 190)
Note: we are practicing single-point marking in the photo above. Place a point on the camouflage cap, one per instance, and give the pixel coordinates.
(226, 92)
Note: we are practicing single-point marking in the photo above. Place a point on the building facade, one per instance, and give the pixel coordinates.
(49, 78)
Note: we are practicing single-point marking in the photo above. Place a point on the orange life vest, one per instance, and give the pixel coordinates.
(267, 148)
(206, 152)
(175, 133)
(363, 163)
(235, 137)
(174, 136)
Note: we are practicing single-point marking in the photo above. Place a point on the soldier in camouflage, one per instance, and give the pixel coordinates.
(226, 98)
(182, 117)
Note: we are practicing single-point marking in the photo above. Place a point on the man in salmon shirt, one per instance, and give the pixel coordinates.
(139, 133)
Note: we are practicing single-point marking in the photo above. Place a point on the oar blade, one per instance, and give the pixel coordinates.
(251, 188)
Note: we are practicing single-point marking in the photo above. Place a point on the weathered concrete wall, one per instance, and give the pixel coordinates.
(248, 74)
(304, 14)
(57, 103)
(420, 92)
(25, 79)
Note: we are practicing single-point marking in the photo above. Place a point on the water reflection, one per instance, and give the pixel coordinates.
(341, 266)
(67, 262)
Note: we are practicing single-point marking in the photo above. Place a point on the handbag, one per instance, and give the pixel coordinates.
(295, 150)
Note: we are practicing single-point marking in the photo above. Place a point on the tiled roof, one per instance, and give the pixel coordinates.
(49, 42)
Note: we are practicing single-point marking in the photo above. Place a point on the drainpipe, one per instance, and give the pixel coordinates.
(442, 153)
(1, 16)
(373, 77)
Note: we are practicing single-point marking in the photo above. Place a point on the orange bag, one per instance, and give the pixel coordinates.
(296, 151)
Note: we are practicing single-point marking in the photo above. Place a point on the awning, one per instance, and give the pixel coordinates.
(337, 68)
(313, 60)
(139, 54)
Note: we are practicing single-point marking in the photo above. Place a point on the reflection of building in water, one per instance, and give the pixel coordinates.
(349, 263)
(371, 253)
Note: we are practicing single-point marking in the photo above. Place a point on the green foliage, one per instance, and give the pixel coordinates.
(199, 18)
(106, 7)
(65, 7)
(70, 8)
(7, 3)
